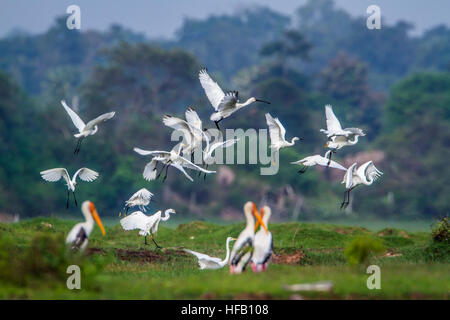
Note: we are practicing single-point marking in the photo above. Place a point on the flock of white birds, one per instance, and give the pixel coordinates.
(252, 245)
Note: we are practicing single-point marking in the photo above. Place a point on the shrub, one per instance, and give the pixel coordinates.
(440, 230)
(361, 247)
(45, 260)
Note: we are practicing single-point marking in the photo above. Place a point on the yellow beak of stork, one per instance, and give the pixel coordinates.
(94, 214)
(259, 220)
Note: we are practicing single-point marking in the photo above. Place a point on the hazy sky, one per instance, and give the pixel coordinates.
(160, 18)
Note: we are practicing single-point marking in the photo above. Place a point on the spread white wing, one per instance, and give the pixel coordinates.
(106, 116)
(202, 256)
(149, 173)
(79, 124)
(86, 174)
(136, 220)
(179, 167)
(333, 124)
(222, 144)
(193, 119)
(324, 162)
(153, 153)
(188, 164)
(369, 170)
(53, 175)
(212, 89)
(276, 129)
(142, 195)
(348, 177)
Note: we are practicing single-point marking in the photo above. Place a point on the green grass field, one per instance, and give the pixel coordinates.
(120, 266)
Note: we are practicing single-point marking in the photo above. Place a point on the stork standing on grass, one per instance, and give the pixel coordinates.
(277, 134)
(168, 158)
(243, 247)
(79, 234)
(366, 174)
(207, 262)
(338, 137)
(147, 225)
(263, 244)
(225, 104)
(88, 129)
(53, 175)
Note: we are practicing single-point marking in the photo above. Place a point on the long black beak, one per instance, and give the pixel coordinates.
(262, 101)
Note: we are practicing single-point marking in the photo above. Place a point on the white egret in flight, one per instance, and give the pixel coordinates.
(147, 225)
(79, 234)
(262, 244)
(191, 128)
(85, 129)
(225, 104)
(207, 262)
(53, 175)
(243, 247)
(366, 174)
(338, 137)
(140, 198)
(168, 158)
(277, 134)
(317, 160)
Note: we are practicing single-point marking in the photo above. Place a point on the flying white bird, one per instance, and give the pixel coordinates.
(85, 129)
(338, 137)
(53, 175)
(317, 160)
(207, 262)
(242, 248)
(277, 134)
(78, 236)
(366, 174)
(191, 128)
(208, 158)
(225, 104)
(168, 158)
(147, 225)
(141, 199)
(334, 126)
(262, 244)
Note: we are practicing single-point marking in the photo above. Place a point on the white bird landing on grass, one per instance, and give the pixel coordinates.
(191, 128)
(317, 160)
(262, 244)
(243, 247)
(147, 225)
(85, 129)
(338, 137)
(79, 235)
(366, 174)
(171, 158)
(141, 199)
(277, 135)
(207, 262)
(225, 104)
(53, 175)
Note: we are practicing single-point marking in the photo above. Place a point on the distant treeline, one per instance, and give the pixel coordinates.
(394, 86)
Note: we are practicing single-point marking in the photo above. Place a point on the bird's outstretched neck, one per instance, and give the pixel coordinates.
(227, 256)
(166, 215)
